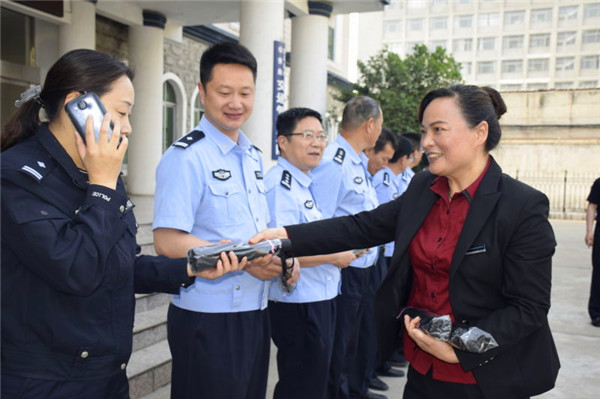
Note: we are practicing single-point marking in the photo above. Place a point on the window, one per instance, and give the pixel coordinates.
(415, 24)
(565, 63)
(590, 36)
(512, 66)
(331, 43)
(591, 11)
(486, 43)
(510, 86)
(565, 39)
(537, 86)
(563, 85)
(437, 43)
(198, 110)
(538, 65)
(463, 21)
(539, 40)
(514, 18)
(394, 5)
(590, 62)
(464, 1)
(567, 13)
(465, 68)
(485, 67)
(438, 23)
(439, 3)
(416, 3)
(391, 26)
(169, 115)
(513, 42)
(588, 83)
(410, 46)
(541, 16)
(489, 19)
(462, 45)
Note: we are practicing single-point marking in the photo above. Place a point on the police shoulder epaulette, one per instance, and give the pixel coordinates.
(257, 149)
(189, 139)
(386, 178)
(339, 156)
(286, 180)
(37, 168)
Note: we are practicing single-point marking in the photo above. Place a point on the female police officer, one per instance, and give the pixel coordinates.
(69, 264)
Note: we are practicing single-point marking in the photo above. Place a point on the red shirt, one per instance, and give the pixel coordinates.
(430, 254)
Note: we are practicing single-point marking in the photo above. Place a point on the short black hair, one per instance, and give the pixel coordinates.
(386, 136)
(359, 110)
(288, 120)
(225, 53)
(405, 148)
(415, 140)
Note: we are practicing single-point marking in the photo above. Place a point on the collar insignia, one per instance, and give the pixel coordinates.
(286, 179)
(340, 154)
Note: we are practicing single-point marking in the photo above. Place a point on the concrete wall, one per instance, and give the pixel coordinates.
(551, 131)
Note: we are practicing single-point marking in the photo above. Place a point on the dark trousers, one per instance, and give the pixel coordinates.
(420, 386)
(594, 303)
(353, 356)
(113, 387)
(219, 355)
(303, 334)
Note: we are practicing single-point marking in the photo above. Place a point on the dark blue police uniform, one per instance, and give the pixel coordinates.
(69, 272)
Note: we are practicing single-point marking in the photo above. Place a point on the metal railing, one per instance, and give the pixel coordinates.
(567, 191)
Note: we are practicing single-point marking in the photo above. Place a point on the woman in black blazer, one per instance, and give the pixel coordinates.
(470, 242)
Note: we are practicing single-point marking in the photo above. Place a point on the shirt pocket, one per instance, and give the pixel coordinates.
(262, 200)
(225, 204)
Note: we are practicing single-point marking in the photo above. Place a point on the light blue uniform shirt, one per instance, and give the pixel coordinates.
(341, 187)
(213, 189)
(291, 202)
(385, 183)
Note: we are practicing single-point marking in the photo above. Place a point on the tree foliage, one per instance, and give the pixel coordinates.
(399, 84)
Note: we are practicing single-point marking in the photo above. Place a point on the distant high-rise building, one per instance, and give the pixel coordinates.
(506, 44)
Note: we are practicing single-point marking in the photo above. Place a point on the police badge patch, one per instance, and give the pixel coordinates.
(308, 204)
(358, 180)
(221, 174)
(340, 154)
(286, 179)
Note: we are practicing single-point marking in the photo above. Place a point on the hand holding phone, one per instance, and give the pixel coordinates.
(84, 106)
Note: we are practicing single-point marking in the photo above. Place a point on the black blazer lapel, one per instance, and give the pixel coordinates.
(483, 204)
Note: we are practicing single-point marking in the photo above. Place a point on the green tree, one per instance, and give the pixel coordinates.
(399, 84)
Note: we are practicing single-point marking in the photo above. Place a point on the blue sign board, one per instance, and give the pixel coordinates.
(278, 89)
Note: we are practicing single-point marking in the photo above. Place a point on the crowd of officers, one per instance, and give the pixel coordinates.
(210, 187)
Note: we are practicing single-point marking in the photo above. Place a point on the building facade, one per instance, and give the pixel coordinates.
(163, 41)
(506, 44)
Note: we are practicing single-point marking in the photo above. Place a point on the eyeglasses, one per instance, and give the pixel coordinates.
(309, 135)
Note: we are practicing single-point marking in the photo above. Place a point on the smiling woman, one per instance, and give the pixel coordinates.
(471, 243)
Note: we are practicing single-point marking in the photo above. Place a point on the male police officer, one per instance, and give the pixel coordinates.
(303, 321)
(341, 187)
(209, 188)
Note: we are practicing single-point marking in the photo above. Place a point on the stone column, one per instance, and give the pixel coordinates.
(81, 32)
(308, 75)
(146, 47)
(261, 23)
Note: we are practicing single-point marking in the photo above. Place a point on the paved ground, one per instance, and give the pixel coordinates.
(577, 340)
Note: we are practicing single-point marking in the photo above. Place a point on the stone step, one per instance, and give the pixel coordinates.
(149, 369)
(146, 302)
(144, 234)
(150, 327)
(161, 393)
